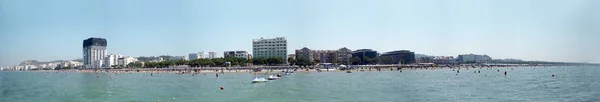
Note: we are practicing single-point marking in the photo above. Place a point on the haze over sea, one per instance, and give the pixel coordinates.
(575, 83)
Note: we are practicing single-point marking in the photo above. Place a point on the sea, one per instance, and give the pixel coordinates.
(520, 84)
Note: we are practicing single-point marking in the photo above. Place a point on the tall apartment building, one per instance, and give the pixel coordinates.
(270, 47)
(94, 51)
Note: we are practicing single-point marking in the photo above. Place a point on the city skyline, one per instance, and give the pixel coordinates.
(522, 29)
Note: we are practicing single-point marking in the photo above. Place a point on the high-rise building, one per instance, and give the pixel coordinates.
(237, 54)
(94, 50)
(212, 55)
(273, 47)
(398, 57)
(366, 56)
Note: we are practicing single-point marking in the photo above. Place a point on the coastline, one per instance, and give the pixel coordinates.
(265, 70)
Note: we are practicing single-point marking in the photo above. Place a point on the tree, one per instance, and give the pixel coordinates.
(335, 60)
(355, 61)
(292, 61)
(259, 61)
(219, 61)
(303, 62)
(272, 61)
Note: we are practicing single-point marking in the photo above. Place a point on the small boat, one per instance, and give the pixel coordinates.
(288, 73)
(349, 71)
(329, 69)
(259, 80)
(271, 77)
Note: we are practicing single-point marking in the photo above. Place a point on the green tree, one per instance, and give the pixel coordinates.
(219, 61)
(335, 60)
(355, 60)
(259, 61)
(291, 61)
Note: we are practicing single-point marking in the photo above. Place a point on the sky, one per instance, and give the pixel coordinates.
(546, 30)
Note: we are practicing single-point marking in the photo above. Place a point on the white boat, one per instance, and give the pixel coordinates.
(271, 77)
(259, 80)
(328, 69)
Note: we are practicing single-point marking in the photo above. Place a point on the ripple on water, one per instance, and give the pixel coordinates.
(521, 84)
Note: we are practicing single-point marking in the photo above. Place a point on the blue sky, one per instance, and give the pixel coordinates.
(550, 30)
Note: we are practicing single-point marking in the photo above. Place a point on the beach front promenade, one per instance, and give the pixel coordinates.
(280, 69)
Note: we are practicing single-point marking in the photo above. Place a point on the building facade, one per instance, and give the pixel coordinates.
(236, 54)
(212, 55)
(293, 56)
(473, 58)
(193, 56)
(305, 54)
(124, 61)
(398, 57)
(343, 55)
(94, 51)
(198, 55)
(325, 56)
(444, 60)
(111, 60)
(363, 54)
(176, 58)
(425, 59)
(270, 47)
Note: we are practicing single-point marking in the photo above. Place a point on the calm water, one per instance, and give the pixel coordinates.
(521, 84)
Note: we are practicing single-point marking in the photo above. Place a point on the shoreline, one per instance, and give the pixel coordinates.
(224, 70)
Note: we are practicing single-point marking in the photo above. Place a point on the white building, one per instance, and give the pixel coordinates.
(273, 47)
(112, 60)
(124, 61)
(71, 64)
(212, 55)
(444, 60)
(199, 55)
(473, 58)
(94, 50)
